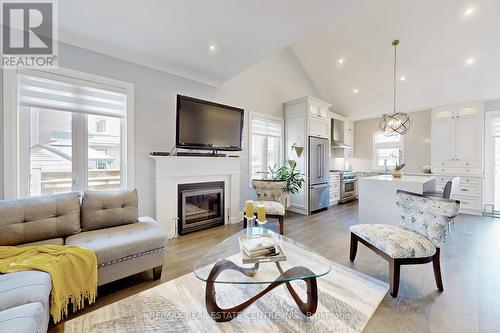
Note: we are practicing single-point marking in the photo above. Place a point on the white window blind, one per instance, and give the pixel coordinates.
(71, 95)
(266, 127)
(495, 126)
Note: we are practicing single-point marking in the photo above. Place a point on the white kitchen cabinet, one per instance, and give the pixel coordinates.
(443, 142)
(319, 127)
(470, 193)
(318, 108)
(334, 188)
(457, 140)
(304, 117)
(468, 142)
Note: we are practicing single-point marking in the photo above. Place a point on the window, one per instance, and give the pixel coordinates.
(100, 126)
(73, 133)
(387, 151)
(266, 145)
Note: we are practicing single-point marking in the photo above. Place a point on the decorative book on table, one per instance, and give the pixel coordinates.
(260, 249)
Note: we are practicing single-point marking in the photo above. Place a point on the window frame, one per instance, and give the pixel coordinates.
(16, 162)
(265, 117)
(98, 120)
(386, 145)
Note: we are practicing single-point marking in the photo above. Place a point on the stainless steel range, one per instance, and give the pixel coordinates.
(348, 186)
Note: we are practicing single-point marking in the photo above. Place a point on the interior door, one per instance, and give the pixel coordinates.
(443, 142)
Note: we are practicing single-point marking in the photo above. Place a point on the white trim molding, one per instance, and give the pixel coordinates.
(11, 136)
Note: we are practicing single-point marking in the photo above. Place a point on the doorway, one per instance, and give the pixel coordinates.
(492, 163)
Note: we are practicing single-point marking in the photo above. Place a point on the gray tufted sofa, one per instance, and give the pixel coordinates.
(106, 222)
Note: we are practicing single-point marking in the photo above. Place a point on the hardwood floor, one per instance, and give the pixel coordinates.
(470, 263)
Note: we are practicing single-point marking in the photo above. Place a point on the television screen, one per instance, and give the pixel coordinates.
(207, 125)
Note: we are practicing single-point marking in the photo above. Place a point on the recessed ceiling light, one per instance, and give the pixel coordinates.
(341, 61)
(469, 11)
(403, 78)
(212, 48)
(470, 61)
(355, 90)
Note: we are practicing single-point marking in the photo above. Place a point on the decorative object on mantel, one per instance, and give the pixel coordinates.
(395, 122)
(398, 173)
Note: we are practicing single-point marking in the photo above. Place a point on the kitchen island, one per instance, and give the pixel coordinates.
(377, 196)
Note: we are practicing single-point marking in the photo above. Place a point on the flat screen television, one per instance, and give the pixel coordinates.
(207, 125)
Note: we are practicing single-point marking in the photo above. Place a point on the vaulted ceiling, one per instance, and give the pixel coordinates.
(449, 49)
(207, 40)
(449, 52)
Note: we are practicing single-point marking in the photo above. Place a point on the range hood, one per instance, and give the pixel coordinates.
(337, 134)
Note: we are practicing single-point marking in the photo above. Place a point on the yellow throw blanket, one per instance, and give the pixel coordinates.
(73, 270)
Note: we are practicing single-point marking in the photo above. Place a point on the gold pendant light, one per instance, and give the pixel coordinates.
(395, 122)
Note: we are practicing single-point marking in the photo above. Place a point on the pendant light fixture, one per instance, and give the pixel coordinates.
(395, 122)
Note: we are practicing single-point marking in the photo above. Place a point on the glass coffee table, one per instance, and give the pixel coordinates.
(224, 265)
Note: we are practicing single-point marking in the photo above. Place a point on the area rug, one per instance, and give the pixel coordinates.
(347, 300)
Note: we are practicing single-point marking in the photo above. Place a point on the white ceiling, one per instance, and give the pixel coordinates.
(174, 35)
(436, 40)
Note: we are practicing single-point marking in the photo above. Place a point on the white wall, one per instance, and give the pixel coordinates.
(155, 93)
(262, 88)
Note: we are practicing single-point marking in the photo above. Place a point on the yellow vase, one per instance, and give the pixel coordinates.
(397, 173)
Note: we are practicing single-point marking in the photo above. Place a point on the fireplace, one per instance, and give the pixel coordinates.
(201, 206)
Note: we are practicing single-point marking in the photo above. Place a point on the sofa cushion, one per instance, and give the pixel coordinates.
(23, 287)
(116, 243)
(108, 209)
(395, 241)
(39, 218)
(26, 318)
(52, 241)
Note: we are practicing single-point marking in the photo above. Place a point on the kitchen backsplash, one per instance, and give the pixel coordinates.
(417, 143)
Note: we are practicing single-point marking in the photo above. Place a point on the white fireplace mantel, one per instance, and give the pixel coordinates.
(174, 170)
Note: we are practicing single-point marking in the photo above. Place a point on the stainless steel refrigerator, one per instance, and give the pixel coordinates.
(318, 173)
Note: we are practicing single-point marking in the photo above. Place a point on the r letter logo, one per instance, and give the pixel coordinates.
(29, 33)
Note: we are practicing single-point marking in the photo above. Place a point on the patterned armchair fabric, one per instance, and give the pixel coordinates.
(269, 190)
(395, 241)
(428, 217)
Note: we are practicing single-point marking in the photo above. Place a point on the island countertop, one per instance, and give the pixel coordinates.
(408, 179)
(377, 196)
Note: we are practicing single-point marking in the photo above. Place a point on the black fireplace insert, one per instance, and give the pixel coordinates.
(201, 206)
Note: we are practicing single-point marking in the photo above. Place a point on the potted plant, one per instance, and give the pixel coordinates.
(294, 179)
(398, 173)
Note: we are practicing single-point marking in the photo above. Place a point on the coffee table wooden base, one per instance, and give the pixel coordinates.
(218, 314)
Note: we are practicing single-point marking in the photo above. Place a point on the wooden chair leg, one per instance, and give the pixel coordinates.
(436, 264)
(244, 222)
(157, 272)
(394, 269)
(281, 220)
(354, 247)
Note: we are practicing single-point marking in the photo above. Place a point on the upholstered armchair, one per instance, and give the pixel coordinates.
(417, 240)
(269, 194)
